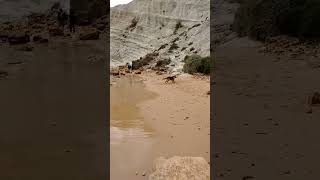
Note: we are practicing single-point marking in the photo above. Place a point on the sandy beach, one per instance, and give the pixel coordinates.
(166, 120)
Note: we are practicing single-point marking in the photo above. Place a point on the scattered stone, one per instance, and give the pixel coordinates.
(137, 173)
(144, 174)
(44, 41)
(53, 124)
(89, 34)
(309, 110)
(100, 27)
(115, 74)
(159, 73)
(18, 38)
(247, 177)
(137, 72)
(94, 58)
(261, 133)
(68, 150)
(314, 99)
(4, 34)
(25, 48)
(39, 38)
(287, 172)
(182, 168)
(15, 63)
(55, 31)
(3, 74)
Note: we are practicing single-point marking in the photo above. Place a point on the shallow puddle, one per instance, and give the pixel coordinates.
(131, 138)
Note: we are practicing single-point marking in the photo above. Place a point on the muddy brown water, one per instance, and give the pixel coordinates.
(53, 113)
(131, 137)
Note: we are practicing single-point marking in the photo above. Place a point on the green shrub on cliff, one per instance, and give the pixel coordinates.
(197, 64)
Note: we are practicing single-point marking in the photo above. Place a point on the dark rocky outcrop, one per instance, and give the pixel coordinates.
(143, 61)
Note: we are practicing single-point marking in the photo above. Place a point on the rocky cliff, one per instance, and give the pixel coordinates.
(170, 28)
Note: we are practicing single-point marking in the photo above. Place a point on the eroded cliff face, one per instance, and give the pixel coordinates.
(172, 28)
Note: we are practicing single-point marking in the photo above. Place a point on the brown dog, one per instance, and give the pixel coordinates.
(170, 78)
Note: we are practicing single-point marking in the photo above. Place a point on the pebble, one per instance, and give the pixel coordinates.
(137, 173)
(143, 174)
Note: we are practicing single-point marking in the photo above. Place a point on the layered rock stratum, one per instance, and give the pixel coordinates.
(172, 28)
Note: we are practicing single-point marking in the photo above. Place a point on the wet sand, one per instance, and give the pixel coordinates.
(150, 119)
(53, 113)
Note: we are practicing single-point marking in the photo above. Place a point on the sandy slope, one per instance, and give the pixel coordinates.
(163, 120)
(261, 129)
(180, 115)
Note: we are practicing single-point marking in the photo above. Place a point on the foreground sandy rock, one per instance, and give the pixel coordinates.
(181, 168)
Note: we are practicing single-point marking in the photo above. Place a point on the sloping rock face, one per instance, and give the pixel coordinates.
(172, 28)
(181, 168)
